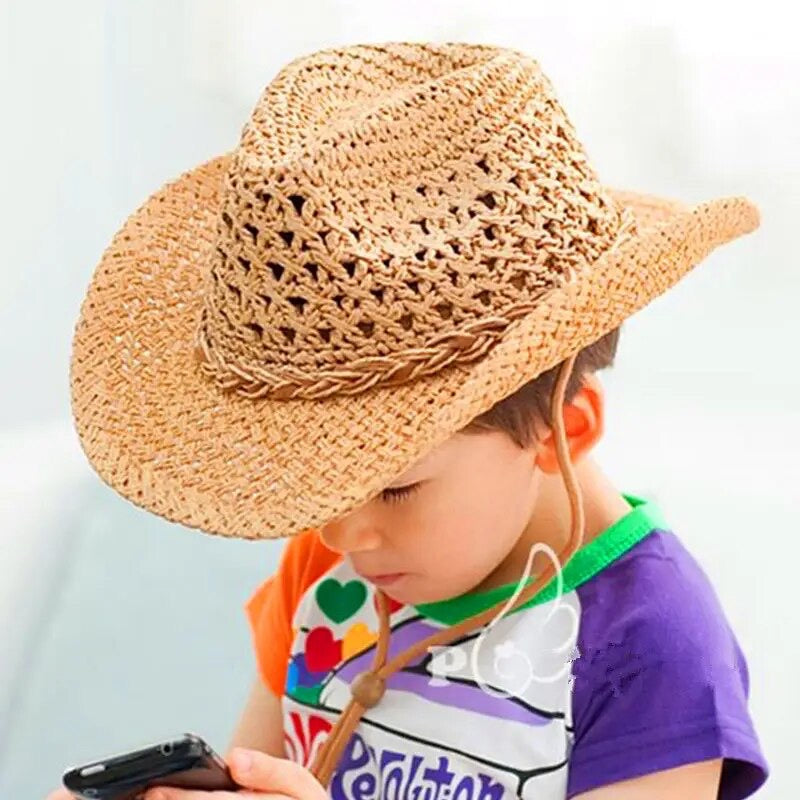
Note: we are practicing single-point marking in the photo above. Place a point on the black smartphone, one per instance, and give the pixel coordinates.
(186, 762)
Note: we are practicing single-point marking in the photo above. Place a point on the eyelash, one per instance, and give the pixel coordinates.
(400, 494)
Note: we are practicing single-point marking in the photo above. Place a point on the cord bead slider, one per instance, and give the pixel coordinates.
(368, 688)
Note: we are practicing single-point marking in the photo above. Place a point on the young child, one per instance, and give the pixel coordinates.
(374, 327)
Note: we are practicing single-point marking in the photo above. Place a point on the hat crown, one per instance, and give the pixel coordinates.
(389, 211)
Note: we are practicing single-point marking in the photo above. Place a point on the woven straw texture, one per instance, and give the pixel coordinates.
(404, 235)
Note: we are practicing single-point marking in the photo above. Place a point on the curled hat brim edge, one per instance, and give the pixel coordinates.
(160, 434)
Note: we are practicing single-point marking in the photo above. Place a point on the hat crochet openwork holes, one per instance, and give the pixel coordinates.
(385, 216)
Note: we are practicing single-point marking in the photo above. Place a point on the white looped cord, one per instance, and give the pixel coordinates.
(552, 555)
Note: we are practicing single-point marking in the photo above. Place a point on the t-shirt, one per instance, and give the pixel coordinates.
(622, 665)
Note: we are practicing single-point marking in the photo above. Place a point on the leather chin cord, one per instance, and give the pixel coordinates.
(368, 687)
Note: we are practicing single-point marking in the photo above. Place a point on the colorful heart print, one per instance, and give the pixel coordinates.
(340, 601)
(323, 651)
(300, 675)
(359, 637)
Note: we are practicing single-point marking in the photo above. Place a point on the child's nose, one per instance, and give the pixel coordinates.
(350, 534)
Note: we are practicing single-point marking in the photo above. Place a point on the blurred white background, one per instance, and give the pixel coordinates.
(119, 628)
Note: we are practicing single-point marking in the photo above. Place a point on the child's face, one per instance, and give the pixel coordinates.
(436, 535)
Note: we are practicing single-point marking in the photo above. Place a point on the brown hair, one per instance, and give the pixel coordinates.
(516, 414)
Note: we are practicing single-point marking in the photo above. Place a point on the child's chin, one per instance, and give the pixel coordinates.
(404, 591)
(411, 592)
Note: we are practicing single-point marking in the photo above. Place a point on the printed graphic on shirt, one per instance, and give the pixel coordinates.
(482, 695)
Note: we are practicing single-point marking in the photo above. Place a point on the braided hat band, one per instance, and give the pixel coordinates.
(404, 235)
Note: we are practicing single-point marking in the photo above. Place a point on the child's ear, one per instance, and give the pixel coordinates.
(583, 423)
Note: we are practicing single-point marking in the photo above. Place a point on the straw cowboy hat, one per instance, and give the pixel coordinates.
(404, 235)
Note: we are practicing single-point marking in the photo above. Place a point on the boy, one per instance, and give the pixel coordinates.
(398, 289)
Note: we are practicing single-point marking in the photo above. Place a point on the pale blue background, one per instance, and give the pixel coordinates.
(119, 628)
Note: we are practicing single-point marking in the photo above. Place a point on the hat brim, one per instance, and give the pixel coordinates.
(161, 434)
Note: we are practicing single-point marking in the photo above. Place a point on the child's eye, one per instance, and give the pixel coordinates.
(399, 494)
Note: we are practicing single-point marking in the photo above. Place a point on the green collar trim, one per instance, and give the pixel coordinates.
(643, 518)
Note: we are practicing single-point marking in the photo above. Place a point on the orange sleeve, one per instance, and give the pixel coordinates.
(271, 607)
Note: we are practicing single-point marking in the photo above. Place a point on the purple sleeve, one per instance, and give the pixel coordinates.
(660, 679)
